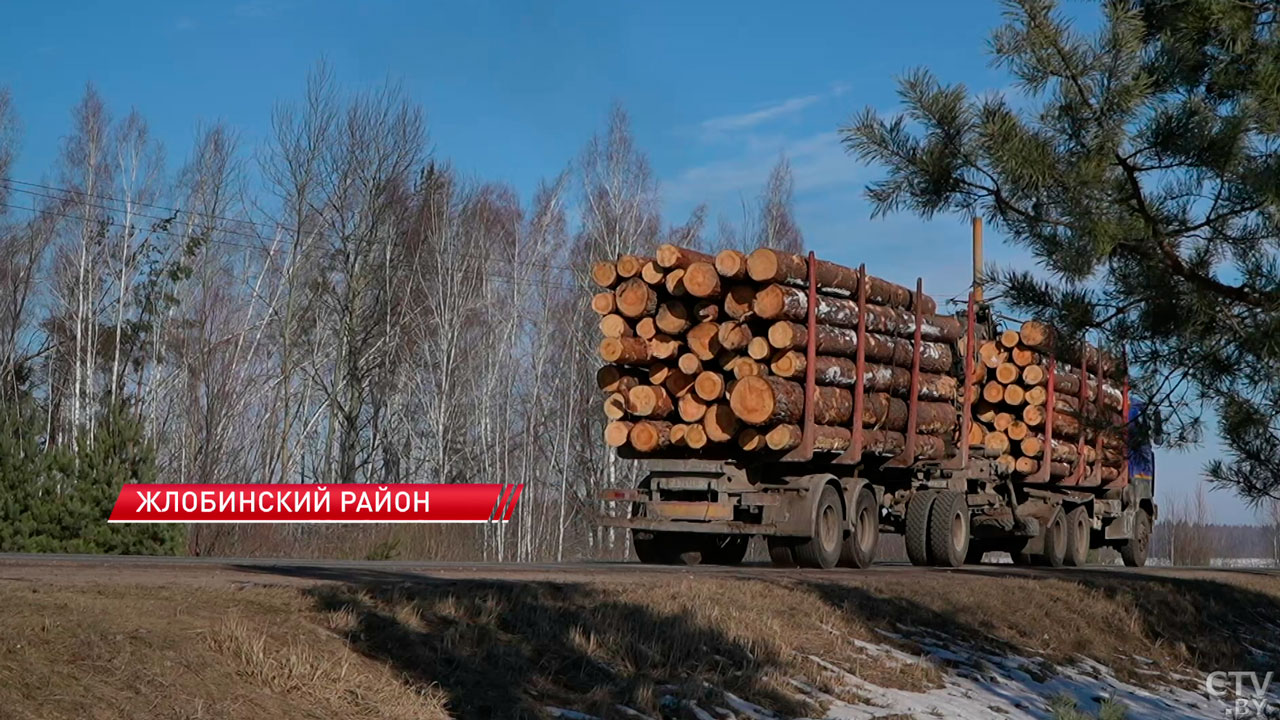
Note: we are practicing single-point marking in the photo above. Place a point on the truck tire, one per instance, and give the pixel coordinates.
(1134, 550)
(780, 551)
(916, 530)
(822, 550)
(859, 547)
(1078, 528)
(949, 529)
(1055, 540)
(725, 549)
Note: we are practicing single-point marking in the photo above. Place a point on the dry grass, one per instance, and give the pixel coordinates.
(387, 647)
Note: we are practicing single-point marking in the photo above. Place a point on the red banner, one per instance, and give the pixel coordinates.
(401, 503)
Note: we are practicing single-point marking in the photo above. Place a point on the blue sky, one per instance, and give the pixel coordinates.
(716, 92)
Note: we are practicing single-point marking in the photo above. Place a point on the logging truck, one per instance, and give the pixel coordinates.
(817, 406)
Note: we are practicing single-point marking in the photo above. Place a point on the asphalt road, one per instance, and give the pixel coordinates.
(195, 571)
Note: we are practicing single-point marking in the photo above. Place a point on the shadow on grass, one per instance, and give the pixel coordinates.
(501, 649)
(1221, 626)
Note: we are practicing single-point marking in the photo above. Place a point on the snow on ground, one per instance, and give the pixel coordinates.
(981, 685)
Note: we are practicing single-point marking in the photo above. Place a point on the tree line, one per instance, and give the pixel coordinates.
(338, 304)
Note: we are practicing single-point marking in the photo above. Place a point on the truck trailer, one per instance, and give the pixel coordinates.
(909, 461)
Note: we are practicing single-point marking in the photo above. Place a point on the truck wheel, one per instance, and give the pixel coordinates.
(1134, 550)
(780, 551)
(949, 529)
(822, 550)
(725, 549)
(649, 547)
(916, 532)
(859, 548)
(1055, 540)
(1078, 527)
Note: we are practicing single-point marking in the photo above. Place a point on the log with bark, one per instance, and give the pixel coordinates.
(934, 357)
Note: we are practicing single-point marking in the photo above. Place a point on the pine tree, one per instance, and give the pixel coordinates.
(1140, 168)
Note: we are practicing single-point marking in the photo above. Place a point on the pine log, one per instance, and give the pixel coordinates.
(1024, 356)
(1002, 421)
(649, 401)
(934, 357)
(1006, 373)
(658, 373)
(625, 351)
(691, 408)
(650, 435)
(674, 282)
(701, 280)
(706, 311)
(673, 256)
(1014, 394)
(985, 411)
(1037, 395)
(751, 440)
(1033, 446)
(766, 265)
(990, 354)
(996, 442)
(709, 385)
(704, 340)
(615, 405)
(603, 303)
(646, 328)
(1016, 431)
(993, 392)
(1033, 375)
(843, 372)
(832, 438)
(635, 298)
(1033, 415)
(695, 437)
(720, 423)
(689, 364)
(604, 274)
(1029, 466)
(678, 383)
(759, 400)
(678, 431)
(616, 433)
(746, 367)
(731, 264)
(976, 434)
(779, 302)
(739, 302)
(673, 317)
(629, 266)
(1005, 464)
(612, 378)
(664, 347)
(615, 326)
(734, 335)
(760, 349)
(653, 274)
(1009, 339)
(1034, 334)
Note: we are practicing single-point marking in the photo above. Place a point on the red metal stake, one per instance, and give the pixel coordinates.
(908, 455)
(805, 451)
(854, 453)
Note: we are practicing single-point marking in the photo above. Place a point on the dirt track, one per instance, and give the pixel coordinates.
(225, 572)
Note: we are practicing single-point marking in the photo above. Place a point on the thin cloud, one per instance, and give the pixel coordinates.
(744, 121)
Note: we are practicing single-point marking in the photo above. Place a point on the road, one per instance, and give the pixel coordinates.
(208, 572)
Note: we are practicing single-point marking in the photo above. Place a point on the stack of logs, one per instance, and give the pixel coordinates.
(1010, 412)
(708, 353)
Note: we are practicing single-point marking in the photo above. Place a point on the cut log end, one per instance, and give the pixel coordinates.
(763, 265)
(702, 280)
(616, 433)
(770, 302)
(604, 274)
(650, 435)
(709, 385)
(752, 400)
(731, 264)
